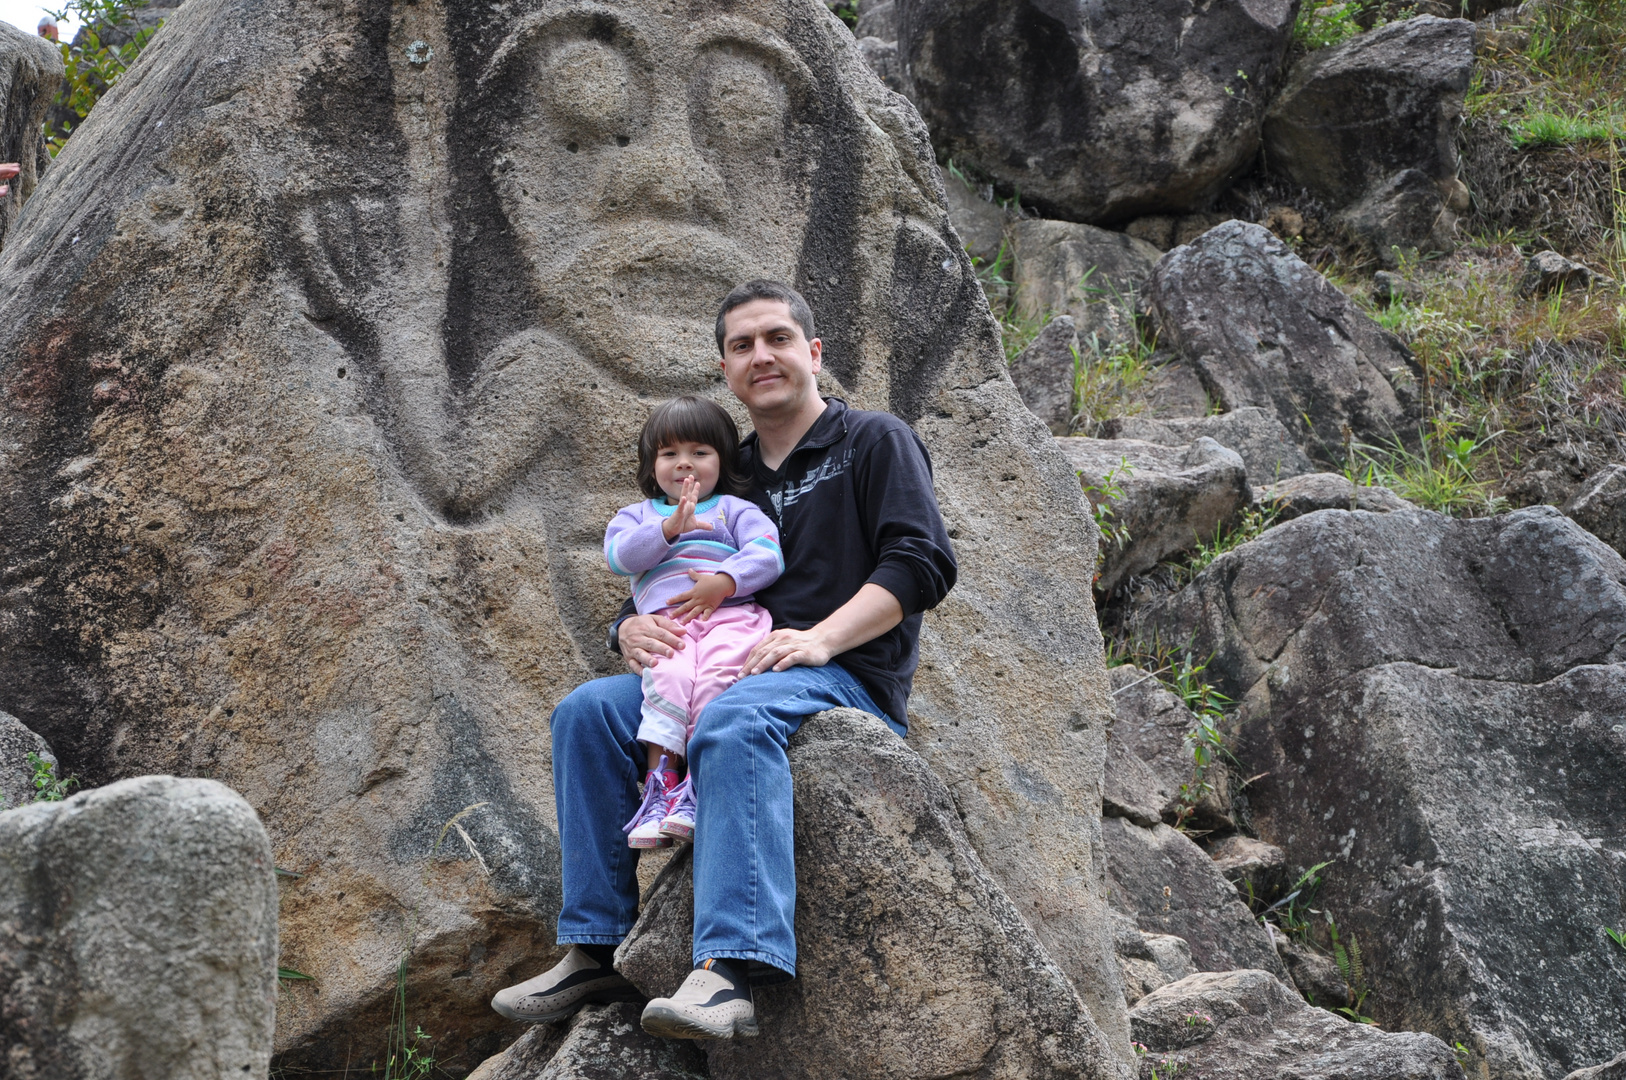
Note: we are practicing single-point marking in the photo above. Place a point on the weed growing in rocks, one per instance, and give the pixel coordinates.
(1348, 959)
(48, 787)
(1253, 523)
(1545, 121)
(1617, 936)
(1109, 381)
(1289, 915)
(1323, 23)
(1508, 381)
(1181, 674)
(1101, 497)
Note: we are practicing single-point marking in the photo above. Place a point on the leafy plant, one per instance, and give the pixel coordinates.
(1439, 475)
(1291, 914)
(290, 975)
(1617, 936)
(90, 66)
(1348, 959)
(48, 787)
(1101, 497)
(1323, 23)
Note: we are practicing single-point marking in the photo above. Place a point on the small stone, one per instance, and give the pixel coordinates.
(1546, 271)
(1390, 288)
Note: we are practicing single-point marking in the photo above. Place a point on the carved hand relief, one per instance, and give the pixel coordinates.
(550, 255)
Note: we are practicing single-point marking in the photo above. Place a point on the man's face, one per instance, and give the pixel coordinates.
(768, 362)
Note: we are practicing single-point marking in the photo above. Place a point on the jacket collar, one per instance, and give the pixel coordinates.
(829, 429)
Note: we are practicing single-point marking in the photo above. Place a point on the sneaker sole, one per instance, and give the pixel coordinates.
(653, 842)
(597, 997)
(684, 833)
(667, 1023)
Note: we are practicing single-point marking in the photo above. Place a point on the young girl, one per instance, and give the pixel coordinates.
(695, 552)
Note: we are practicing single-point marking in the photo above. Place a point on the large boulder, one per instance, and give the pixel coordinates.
(1436, 708)
(1169, 885)
(1242, 1025)
(138, 935)
(602, 1042)
(1088, 273)
(1166, 500)
(1097, 112)
(1266, 448)
(16, 774)
(912, 960)
(1261, 327)
(1351, 116)
(30, 76)
(320, 374)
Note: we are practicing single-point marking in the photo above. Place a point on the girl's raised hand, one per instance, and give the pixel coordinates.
(683, 519)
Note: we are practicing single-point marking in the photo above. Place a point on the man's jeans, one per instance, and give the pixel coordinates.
(744, 851)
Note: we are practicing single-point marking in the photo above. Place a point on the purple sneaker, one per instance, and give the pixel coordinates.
(679, 820)
(644, 830)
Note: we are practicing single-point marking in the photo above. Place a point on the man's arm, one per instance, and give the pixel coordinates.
(915, 566)
(870, 613)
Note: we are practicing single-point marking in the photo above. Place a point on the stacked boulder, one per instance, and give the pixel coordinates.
(1435, 708)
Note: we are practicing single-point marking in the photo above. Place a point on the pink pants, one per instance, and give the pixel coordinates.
(678, 687)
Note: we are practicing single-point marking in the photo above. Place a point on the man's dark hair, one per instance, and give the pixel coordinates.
(763, 289)
(691, 419)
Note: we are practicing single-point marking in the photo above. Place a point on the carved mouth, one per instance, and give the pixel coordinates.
(679, 273)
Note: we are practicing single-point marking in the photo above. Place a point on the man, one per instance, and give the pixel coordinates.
(865, 553)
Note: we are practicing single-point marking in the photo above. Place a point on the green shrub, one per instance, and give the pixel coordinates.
(91, 67)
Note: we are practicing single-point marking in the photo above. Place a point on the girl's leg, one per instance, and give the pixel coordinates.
(731, 633)
(667, 688)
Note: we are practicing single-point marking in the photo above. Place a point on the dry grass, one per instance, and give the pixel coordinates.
(1546, 121)
(1506, 378)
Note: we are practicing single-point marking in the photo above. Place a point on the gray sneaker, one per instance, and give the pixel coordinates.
(575, 981)
(714, 1002)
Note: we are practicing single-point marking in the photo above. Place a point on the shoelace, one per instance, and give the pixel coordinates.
(682, 799)
(656, 799)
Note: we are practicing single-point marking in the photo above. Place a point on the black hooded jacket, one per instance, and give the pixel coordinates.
(854, 504)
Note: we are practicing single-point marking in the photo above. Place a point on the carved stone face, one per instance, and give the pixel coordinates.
(648, 163)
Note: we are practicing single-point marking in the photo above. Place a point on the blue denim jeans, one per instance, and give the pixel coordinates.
(744, 850)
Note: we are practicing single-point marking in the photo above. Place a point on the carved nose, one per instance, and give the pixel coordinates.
(664, 175)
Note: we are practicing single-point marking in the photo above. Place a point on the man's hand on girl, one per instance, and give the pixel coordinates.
(705, 596)
(683, 519)
(645, 639)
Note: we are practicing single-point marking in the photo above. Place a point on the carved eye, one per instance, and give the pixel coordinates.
(586, 86)
(741, 106)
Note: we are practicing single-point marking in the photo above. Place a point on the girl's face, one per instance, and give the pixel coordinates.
(676, 462)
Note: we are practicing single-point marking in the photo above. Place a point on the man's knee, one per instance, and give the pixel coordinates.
(587, 711)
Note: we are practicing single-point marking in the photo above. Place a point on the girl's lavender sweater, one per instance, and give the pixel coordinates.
(742, 543)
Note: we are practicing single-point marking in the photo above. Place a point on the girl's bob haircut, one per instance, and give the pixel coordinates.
(691, 419)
